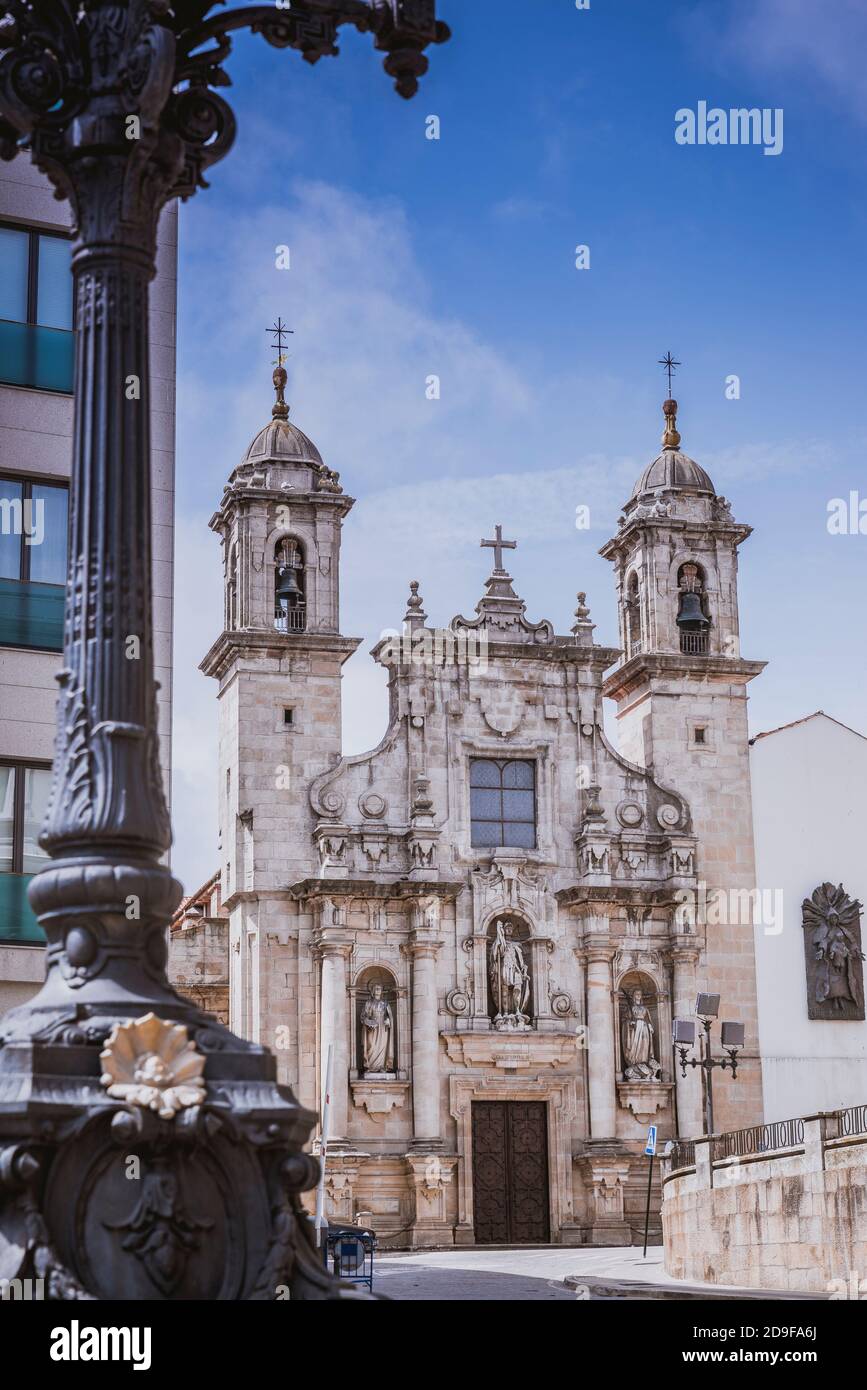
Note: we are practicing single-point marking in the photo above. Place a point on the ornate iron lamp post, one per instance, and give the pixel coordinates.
(107, 1065)
(683, 1034)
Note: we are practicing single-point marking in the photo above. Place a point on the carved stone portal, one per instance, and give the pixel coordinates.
(833, 955)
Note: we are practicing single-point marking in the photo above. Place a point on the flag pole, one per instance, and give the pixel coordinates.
(323, 1145)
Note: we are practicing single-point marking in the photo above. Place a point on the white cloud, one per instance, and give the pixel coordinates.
(824, 44)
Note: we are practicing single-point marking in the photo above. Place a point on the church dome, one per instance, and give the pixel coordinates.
(672, 469)
(282, 442)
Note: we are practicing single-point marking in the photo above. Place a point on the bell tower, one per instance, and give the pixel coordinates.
(681, 694)
(278, 662)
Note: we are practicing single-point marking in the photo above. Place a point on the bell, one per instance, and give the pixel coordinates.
(690, 615)
(288, 587)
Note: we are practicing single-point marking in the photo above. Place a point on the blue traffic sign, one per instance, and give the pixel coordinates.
(650, 1146)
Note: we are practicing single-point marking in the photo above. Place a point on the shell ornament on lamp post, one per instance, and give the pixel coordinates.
(152, 1063)
(120, 105)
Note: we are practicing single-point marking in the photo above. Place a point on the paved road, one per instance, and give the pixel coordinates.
(414, 1280)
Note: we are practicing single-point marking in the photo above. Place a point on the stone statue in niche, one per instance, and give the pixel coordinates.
(377, 1026)
(510, 980)
(639, 1062)
(833, 955)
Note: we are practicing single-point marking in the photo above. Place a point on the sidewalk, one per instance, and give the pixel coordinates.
(608, 1272)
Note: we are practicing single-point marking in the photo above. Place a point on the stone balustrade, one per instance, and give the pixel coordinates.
(789, 1218)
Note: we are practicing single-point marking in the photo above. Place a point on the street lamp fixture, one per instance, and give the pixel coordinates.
(119, 105)
(683, 1037)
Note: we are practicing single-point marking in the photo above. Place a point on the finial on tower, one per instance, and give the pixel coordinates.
(415, 615)
(582, 626)
(280, 409)
(671, 437)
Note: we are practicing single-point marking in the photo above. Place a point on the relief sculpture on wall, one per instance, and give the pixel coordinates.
(833, 955)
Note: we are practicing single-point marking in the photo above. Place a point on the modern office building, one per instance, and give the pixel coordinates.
(37, 356)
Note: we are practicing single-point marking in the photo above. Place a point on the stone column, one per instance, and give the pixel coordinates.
(600, 1043)
(690, 1114)
(334, 1029)
(425, 1043)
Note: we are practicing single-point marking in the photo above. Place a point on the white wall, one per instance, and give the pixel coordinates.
(810, 815)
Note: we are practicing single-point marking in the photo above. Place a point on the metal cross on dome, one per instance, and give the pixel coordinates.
(670, 365)
(498, 546)
(277, 331)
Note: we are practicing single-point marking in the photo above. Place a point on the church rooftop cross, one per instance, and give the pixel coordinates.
(670, 365)
(498, 546)
(278, 331)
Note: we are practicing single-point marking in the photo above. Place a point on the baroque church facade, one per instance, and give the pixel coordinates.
(482, 921)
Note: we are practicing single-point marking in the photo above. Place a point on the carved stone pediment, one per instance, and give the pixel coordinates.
(521, 1052)
(512, 883)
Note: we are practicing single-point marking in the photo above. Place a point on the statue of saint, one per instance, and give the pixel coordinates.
(510, 979)
(377, 1022)
(639, 1063)
(832, 924)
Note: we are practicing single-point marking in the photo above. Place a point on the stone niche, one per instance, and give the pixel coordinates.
(643, 1088)
(386, 1088)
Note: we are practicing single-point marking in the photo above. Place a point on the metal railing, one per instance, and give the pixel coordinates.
(682, 1154)
(782, 1134)
(293, 621)
(694, 643)
(852, 1121)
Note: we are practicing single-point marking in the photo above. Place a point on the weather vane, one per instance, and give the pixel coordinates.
(670, 365)
(278, 330)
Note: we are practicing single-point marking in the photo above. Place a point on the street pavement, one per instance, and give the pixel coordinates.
(417, 1280)
(493, 1273)
(531, 1274)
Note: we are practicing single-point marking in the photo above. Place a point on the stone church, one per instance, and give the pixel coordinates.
(482, 919)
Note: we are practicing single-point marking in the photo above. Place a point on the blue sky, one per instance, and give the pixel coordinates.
(457, 257)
